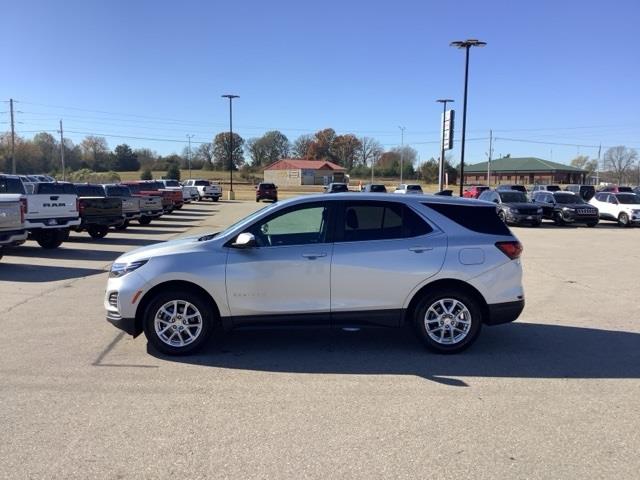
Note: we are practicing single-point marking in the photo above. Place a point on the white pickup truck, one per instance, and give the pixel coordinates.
(52, 208)
(206, 188)
(12, 210)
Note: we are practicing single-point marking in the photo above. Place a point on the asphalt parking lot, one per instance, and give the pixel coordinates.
(554, 395)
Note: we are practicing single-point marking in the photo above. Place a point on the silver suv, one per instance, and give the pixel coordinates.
(444, 265)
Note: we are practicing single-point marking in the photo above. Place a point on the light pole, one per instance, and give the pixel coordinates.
(189, 137)
(444, 102)
(402, 129)
(466, 44)
(232, 195)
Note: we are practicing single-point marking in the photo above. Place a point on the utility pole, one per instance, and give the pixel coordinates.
(232, 195)
(598, 166)
(490, 154)
(13, 139)
(189, 153)
(62, 151)
(402, 129)
(441, 168)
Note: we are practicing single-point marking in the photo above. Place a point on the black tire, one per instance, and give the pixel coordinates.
(50, 238)
(179, 207)
(122, 226)
(592, 224)
(257, 200)
(448, 297)
(557, 219)
(502, 216)
(623, 220)
(144, 220)
(97, 231)
(214, 199)
(536, 223)
(159, 300)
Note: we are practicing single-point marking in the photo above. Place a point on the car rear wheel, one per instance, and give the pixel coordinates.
(623, 220)
(502, 216)
(97, 231)
(144, 220)
(557, 218)
(178, 322)
(50, 239)
(448, 321)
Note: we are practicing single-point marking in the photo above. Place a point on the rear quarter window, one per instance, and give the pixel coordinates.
(476, 218)
(11, 185)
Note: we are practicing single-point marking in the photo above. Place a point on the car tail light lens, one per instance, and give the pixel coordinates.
(79, 206)
(23, 209)
(513, 249)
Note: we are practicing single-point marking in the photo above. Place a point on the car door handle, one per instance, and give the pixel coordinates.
(313, 256)
(420, 249)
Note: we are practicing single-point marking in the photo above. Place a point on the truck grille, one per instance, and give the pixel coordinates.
(528, 211)
(113, 299)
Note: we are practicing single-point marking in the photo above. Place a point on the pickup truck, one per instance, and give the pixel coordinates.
(52, 208)
(187, 192)
(97, 212)
(171, 199)
(150, 204)
(130, 204)
(206, 189)
(12, 211)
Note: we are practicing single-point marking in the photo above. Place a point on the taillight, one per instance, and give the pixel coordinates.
(510, 249)
(79, 206)
(23, 209)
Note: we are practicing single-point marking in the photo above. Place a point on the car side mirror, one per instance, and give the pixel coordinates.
(244, 240)
(495, 200)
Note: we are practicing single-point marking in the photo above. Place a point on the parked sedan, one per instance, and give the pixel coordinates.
(566, 208)
(513, 207)
(374, 188)
(336, 187)
(623, 208)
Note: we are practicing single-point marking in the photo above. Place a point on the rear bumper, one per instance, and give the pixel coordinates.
(152, 213)
(106, 221)
(132, 215)
(127, 325)
(32, 224)
(13, 236)
(504, 312)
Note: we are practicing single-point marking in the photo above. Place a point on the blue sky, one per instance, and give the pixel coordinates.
(556, 72)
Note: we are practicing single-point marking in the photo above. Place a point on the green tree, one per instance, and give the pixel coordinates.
(429, 171)
(173, 172)
(125, 159)
(146, 174)
(221, 147)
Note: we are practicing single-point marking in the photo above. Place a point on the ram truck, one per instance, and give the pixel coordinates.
(97, 212)
(130, 204)
(150, 204)
(52, 209)
(206, 189)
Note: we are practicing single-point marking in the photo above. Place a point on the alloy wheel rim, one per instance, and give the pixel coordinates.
(178, 323)
(447, 321)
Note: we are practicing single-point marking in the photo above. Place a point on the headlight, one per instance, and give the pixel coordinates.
(539, 210)
(120, 269)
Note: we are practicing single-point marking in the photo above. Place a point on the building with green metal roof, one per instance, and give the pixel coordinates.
(525, 170)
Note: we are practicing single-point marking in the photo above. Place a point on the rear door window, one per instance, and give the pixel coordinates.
(11, 185)
(55, 189)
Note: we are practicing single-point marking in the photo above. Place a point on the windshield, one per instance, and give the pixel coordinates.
(201, 183)
(553, 188)
(266, 186)
(55, 189)
(118, 191)
(378, 188)
(249, 218)
(171, 183)
(415, 188)
(339, 187)
(513, 197)
(628, 198)
(567, 198)
(90, 191)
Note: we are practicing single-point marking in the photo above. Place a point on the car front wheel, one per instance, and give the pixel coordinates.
(178, 322)
(623, 220)
(98, 231)
(449, 321)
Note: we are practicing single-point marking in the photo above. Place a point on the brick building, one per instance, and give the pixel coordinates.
(295, 171)
(525, 171)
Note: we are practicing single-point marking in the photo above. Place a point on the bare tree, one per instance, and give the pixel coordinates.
(620, 160)
(370, 150)
(302, 145)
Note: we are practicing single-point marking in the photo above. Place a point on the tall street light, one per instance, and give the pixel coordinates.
(466, 44)
(189, 137)
(232, 195)
(444, 102)
(402, 129)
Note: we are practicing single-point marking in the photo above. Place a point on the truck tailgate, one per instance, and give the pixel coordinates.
(51, 206)
(10, 215)
(100, 207)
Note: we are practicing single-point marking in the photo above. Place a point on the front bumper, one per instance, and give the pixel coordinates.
(127, 325)
(504, 312)
(524, 218)
(572, 218)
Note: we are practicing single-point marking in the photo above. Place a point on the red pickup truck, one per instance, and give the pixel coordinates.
(171, 199)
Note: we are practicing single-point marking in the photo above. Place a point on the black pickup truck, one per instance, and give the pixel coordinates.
(97, 212)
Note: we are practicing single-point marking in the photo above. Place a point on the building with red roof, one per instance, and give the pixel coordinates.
(297, 171)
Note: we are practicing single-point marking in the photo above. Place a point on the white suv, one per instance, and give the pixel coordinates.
(446, 266)
(206, 189)
(623, 208)
(409, 188)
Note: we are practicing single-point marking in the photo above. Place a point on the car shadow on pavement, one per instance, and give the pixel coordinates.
(183, 213)
(178, 219)
(32, 251)
(139, 242)
(18, 272)
(151, 230)
(524, 350)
